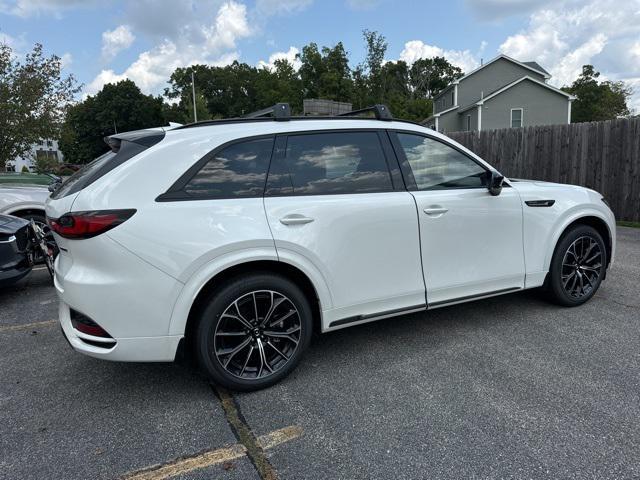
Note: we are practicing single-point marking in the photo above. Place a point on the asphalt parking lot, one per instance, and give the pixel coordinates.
(510, 387)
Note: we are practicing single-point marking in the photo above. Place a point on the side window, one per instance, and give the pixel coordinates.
(437, 166)
(238, 171)
(331, 163)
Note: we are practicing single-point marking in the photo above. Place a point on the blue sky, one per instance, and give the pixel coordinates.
(145, 40)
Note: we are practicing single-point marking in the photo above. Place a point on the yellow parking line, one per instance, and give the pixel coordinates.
(27, 326)
(280, 436)
(209, 458)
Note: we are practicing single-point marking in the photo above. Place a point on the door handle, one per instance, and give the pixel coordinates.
(435, 211)
(295, 219)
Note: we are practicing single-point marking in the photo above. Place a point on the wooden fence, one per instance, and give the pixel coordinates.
(604, 156)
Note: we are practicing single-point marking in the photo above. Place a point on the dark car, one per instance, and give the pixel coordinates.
(16, 249)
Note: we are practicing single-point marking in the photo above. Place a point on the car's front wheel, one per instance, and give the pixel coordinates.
(253, 332)
(577, 266)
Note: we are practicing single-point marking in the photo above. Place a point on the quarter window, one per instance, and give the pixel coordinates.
(333, 163)
(437, 166)
(237, 171)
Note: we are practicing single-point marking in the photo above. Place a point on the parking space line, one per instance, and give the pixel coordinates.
(245, 436)
(27, 326)
(209, 458)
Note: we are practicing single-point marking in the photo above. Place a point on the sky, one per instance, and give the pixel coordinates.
(145, 40)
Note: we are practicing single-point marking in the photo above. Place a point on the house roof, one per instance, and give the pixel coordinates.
(533, 66)
(536, 66)
(498, 91)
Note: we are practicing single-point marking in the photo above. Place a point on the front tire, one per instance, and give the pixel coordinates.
(253, 332)
(577, 266)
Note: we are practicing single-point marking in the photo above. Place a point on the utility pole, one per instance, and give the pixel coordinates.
(193, 90)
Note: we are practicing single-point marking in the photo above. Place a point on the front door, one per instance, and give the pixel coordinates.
(335, 207)
(471, 240)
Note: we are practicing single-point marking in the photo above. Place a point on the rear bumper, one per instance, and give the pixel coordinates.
(124, 295)
(139, 349)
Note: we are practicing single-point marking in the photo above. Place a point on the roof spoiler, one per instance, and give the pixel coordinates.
(146, 138)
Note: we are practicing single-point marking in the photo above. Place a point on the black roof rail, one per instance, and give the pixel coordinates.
(280, 111)
(380, 111)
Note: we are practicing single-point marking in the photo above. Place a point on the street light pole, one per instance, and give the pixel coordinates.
(193, 90)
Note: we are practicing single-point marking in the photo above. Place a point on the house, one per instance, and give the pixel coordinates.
(501, 93)
(47, 148)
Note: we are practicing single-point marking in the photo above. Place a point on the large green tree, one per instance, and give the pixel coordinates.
(118, 107)
(428, 76)
(33, 96)
(596, 101)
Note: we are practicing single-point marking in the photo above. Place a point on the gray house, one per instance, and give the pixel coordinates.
(502, 93)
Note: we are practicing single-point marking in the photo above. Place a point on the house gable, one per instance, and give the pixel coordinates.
(491, 77)
(541, 104)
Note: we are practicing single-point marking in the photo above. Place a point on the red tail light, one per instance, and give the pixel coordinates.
(76, 225)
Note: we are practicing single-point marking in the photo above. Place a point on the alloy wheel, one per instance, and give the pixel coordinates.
(581, 267)
(257, 334)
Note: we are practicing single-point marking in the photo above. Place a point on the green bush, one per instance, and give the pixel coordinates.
(25, 169)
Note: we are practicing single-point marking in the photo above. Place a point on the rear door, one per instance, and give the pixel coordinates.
(471, 240)
(334, 205)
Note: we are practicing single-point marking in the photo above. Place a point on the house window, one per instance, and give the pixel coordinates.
(452, 98)
(468, 123)
(516, 117)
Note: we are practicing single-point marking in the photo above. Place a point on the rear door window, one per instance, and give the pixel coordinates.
(336, 163)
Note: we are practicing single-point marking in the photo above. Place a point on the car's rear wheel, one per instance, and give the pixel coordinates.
(577, 266)
(253, 332)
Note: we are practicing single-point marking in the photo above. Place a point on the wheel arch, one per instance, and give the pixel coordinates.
(589, 219)
(201, 286)
(23, 211)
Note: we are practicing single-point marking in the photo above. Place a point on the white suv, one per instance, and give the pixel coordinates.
(236, 238)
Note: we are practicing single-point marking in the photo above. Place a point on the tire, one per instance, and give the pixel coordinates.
(273, 346)
(577, 266)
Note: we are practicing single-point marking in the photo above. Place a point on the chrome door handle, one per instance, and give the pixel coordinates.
(435, 211)
(295, 219)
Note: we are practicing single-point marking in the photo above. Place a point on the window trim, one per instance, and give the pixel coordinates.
(521, 117)
(393, 168)
(406, 170)
(176, 193)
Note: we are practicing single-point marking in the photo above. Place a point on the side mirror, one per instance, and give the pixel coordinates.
(495, 183)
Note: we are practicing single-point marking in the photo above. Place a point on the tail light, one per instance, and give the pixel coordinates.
(77, 225)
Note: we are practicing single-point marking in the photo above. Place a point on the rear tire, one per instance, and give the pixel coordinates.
(253, 332)
(577, 266)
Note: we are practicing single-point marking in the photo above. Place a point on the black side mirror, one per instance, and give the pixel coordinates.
(495, 183)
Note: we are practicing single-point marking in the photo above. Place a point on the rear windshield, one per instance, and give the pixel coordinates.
(97, 168)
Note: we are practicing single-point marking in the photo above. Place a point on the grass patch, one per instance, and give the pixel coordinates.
(624, 223)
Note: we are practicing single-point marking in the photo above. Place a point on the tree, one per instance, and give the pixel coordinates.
(33, 98)
(118, 107)
(597, 101)
(428, 76)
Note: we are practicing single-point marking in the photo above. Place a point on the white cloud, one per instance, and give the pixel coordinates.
(152, 68)
(416, 49)
(116, 40)
(27, 8)
(66, 60)
(289, 55)
(603, 33)
(279, 7)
